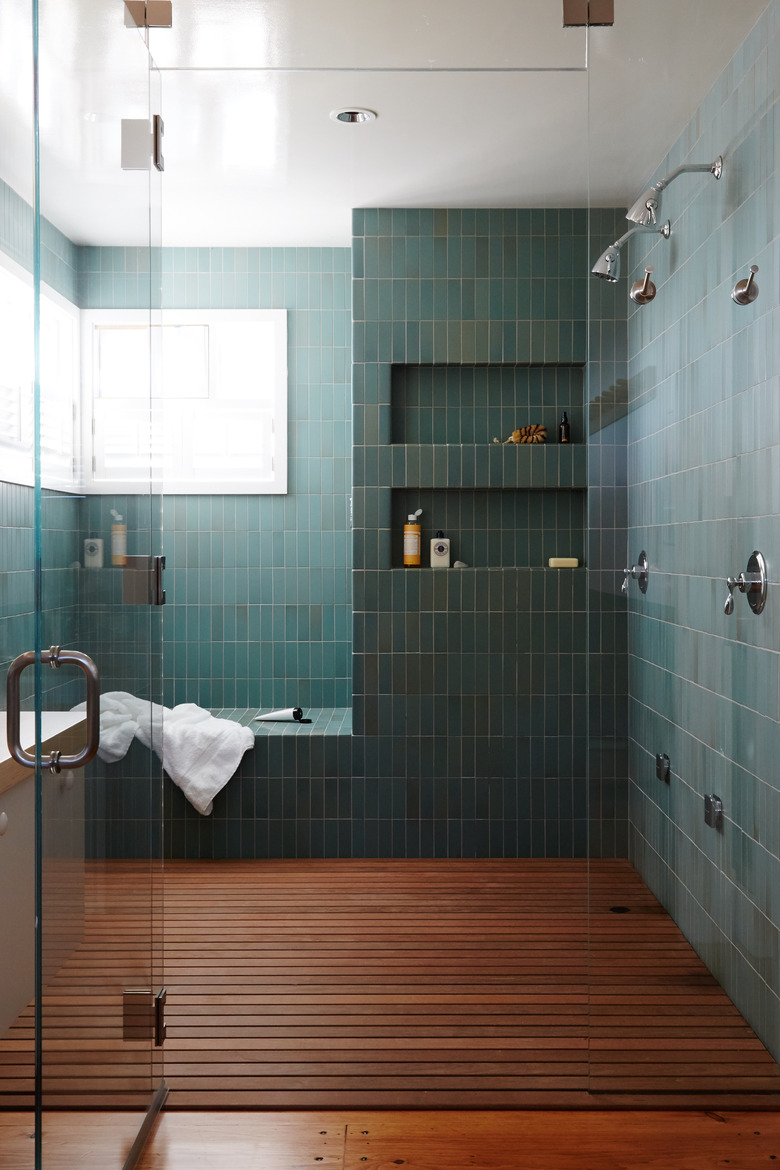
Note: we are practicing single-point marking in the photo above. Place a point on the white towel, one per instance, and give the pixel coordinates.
(199, 753)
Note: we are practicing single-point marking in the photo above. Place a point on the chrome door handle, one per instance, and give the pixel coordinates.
(55, 657)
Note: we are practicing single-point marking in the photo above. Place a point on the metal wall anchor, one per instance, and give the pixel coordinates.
(752, 582)
(640, 572)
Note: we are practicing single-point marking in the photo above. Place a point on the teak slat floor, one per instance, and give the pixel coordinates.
(417, 1141)
(394, 985)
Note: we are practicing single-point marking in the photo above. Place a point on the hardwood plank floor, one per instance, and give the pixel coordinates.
(415, 1140)
(395, 985)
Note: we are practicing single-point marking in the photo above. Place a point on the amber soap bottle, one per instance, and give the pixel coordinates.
(563, 429)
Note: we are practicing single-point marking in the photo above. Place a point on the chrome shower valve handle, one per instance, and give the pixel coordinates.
(753, 583)
(640, 572)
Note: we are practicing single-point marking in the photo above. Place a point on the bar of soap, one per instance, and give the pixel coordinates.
(563, 563)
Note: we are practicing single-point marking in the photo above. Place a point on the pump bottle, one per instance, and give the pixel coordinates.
(412, 539)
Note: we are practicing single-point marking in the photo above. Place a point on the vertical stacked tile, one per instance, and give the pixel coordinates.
(258, 586)
(704, 492)
(469, 706)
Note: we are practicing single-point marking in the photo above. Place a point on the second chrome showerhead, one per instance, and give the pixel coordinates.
(607, 267)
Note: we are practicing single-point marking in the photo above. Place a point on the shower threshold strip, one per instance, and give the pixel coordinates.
(394, 984)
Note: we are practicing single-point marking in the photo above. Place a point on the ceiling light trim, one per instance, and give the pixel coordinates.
(353, 116)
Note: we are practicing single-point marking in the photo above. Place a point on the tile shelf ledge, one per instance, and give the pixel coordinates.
(539, 466)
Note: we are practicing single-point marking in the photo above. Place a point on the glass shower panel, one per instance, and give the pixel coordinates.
(100, 862)
(685, 1003)
(17, 592)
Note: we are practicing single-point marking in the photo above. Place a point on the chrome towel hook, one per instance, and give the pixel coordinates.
(643, 291)
(745, 291)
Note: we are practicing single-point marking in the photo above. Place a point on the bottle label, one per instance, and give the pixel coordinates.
(412, 547)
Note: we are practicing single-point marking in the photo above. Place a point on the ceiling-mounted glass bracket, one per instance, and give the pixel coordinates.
(148, 13)
(588, 13)
(142, 143)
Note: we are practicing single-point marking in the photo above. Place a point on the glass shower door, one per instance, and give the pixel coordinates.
(85, 1028)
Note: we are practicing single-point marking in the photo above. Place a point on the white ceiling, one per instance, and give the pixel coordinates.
(478, 105)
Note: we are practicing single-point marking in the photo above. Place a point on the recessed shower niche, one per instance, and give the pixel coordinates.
(502, 504)
(477, 403)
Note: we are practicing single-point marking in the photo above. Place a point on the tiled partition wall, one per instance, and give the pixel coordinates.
(258, 587)
(470, 685)
(704, 459)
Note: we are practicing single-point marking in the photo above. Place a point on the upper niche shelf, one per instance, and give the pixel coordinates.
(473, 404)
(541, 466)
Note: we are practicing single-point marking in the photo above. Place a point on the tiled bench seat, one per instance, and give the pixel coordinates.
(324, 721)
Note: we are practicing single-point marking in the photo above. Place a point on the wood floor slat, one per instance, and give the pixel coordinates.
(500, 984)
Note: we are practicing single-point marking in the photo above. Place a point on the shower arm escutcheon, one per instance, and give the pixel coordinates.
(753, 583)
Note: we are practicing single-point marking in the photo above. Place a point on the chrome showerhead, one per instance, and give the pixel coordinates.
(608, 264)
(647, 208)
(607, 267)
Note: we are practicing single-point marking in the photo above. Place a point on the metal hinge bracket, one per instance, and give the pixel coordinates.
(588, 13)
(148, 13)
(143, 1015)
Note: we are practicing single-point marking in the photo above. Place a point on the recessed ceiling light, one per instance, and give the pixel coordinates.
(355, 116)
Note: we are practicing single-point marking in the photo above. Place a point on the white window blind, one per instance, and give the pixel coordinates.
(216, 418)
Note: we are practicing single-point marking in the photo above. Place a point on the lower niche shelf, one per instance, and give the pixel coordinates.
(493, 528)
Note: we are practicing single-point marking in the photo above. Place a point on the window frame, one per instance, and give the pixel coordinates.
(90, 318)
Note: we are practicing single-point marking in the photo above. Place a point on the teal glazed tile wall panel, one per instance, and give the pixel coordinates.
(704, 491)
(470, 699)
(259, 589)
(59, 256)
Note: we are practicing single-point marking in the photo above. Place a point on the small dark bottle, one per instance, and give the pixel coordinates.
(563, 430)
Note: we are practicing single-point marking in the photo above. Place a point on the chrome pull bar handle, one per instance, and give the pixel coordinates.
(55, 657)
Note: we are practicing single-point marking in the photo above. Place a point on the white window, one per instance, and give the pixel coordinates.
(215, 421)
(59, 358)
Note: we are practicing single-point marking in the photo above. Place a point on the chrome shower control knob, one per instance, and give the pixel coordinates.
(728, 608)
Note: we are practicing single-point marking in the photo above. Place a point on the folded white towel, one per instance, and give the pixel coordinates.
(199, 753)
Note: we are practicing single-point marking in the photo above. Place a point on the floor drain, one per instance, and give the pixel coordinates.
(619, 910)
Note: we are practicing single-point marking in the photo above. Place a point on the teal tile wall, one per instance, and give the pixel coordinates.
(59, 256)
(470, 702)
(704, 491)
(259, 589)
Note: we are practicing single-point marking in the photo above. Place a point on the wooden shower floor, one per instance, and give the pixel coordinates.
(394, 984)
